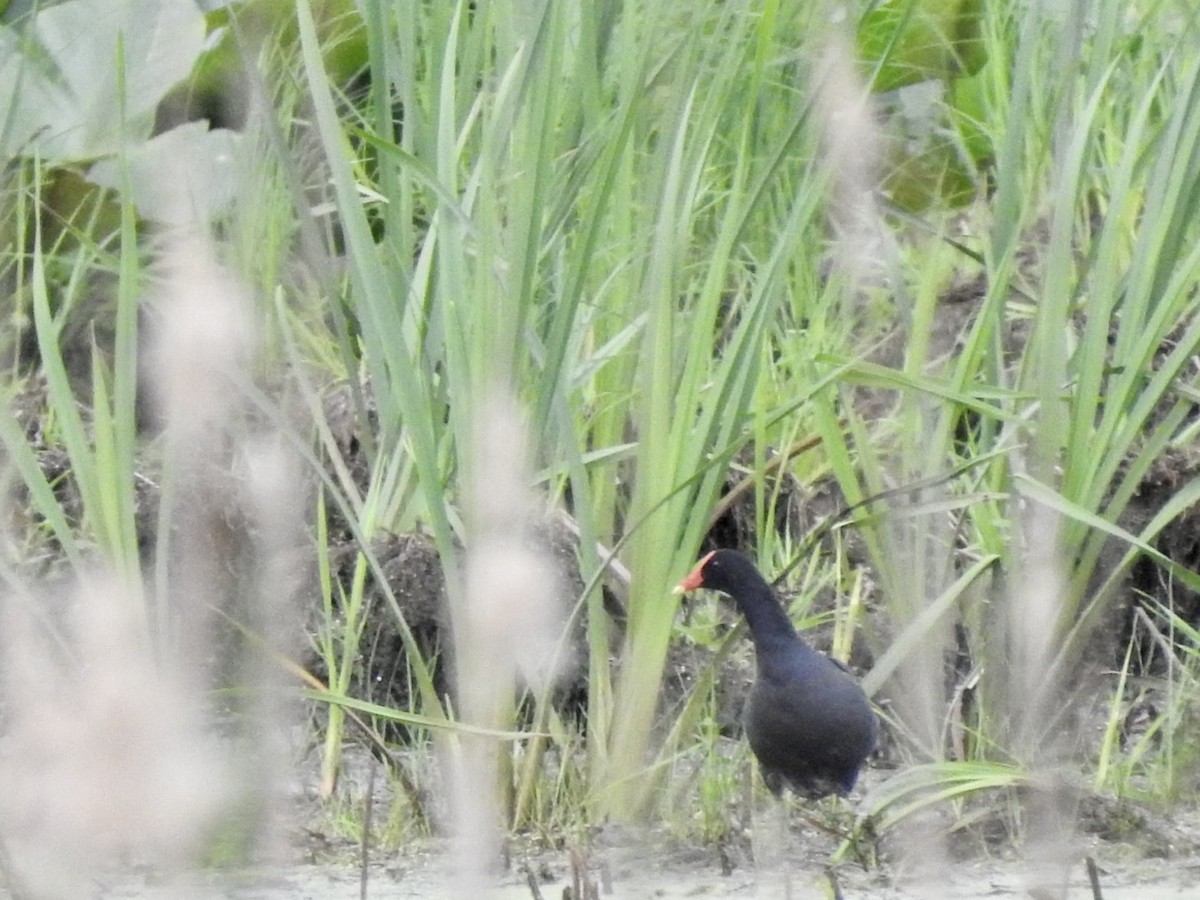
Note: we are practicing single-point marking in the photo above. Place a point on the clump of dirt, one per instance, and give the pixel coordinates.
(735, 522)
(1179, 541)
(1120, 821)
(348, 412)
(419, 619)
(412, 570)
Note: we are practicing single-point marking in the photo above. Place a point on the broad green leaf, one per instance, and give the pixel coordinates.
(917, 40)
(58, 84)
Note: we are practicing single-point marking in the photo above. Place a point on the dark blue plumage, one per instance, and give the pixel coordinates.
(808, 722)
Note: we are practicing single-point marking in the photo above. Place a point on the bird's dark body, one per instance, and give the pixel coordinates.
(809, 724)
(807, 719)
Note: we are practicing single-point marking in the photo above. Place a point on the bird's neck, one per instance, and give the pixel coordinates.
(769, 623)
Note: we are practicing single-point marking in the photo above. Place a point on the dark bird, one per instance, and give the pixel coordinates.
(809, 723)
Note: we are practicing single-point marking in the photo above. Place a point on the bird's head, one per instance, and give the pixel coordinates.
(720, 570)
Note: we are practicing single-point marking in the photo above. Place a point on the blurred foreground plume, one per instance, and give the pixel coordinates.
(104, 758)
(851, 143)
(109, 754)
(864, 256)
(507, 630)
(235, 517)
(1039, 707)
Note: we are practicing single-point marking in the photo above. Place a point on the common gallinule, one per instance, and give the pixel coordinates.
(808, 721)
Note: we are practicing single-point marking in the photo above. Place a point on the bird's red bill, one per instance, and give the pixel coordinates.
(695, 578)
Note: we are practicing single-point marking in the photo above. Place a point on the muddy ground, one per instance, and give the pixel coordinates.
(648, 875)
(644, 864)
(1160, 860)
